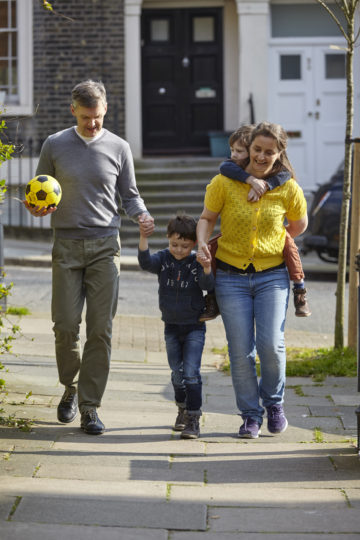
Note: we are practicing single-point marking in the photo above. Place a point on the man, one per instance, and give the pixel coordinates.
(96, 172)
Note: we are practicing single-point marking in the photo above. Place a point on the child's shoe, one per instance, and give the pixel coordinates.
(301, 306)
(192, 427)
(180, 420)
(211, 308)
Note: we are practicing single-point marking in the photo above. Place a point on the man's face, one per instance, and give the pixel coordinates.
(89, 119)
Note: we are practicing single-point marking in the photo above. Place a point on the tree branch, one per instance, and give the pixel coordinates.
(332, 14)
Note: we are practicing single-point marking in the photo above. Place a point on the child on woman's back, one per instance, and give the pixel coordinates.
(232, 168)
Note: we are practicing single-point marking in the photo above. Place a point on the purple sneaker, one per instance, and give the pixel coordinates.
(250, 429)
(277, 422)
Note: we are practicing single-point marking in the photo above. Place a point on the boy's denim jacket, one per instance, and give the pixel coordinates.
(181, 299)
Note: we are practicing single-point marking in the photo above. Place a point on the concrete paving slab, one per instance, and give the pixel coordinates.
(277, 497)
(260, 536)
(279, 520)
(85, 489)
(229, 469)
(20, 464)
(353, 496)
(151, 515)
(128, 355)
(166, 449)
(34, 531)
(225, 404)
(348, 400)
(6, 504)
(292, 398)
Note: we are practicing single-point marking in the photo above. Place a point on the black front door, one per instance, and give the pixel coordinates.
(182, 96)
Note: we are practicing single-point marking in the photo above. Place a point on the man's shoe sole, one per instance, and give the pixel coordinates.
(91, 432)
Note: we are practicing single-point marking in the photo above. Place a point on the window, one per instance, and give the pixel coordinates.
(290, 67)
(203, 29)
(304, 20)
(159, 30)
(335, 66)
(16, 56)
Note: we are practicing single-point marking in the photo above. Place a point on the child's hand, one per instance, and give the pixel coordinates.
(146, 224)
(204, 260)
(252, 195)
(258, 185)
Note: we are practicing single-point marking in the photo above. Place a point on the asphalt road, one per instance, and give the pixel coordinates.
(138, 295)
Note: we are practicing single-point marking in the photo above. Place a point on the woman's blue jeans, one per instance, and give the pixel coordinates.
(253, 308)
(184, 347)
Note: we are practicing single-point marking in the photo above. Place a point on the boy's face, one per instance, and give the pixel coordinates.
(180, 248)
(239, 151)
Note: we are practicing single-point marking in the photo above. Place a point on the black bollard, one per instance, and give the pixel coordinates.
(357, 412)
(3, 303)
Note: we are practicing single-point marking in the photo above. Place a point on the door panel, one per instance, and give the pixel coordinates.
(307, 95)
(181, 79)
(330, 104)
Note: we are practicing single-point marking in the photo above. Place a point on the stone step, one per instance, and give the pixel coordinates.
(178, 162)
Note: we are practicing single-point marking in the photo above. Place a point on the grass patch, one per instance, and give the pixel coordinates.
(315, 363)
(318, 435)
(13, 310)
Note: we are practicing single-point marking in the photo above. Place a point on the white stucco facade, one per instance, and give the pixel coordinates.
(246, 59)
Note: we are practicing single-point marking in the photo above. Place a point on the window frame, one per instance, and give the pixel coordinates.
(24, 23)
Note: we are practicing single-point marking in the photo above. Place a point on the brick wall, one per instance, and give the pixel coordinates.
(91, 45)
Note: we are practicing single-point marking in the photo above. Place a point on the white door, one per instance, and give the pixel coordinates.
(307, 95)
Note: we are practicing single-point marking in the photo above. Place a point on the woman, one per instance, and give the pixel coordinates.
(252, 283)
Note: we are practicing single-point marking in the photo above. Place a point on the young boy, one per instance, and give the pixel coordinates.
(181, 282)
(239, 142)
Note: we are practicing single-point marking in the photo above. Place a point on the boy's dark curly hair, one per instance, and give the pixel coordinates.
(183, 225)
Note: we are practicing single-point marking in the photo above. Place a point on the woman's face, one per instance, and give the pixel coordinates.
(263, 153)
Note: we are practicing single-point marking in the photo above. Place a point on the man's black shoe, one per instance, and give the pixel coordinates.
(67, 408)
(91, 423)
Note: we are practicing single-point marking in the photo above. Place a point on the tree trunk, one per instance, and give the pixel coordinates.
(345, 207)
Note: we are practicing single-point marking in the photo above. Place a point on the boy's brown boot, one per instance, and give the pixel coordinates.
(211, 308)
(192, 427)
(180, 420)
(301, 306)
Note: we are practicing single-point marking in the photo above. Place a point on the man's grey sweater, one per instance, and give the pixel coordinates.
(95, 178)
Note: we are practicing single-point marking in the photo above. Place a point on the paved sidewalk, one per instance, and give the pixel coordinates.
(38, 253)
(139, 481)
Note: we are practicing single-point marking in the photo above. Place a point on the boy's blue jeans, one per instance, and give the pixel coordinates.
(248, 302)
(184, 347)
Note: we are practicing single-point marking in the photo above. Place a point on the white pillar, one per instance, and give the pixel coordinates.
(253, 28)
(133, 120)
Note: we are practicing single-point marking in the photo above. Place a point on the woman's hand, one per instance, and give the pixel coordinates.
(203, 255)
(204, 260)
(36, 211)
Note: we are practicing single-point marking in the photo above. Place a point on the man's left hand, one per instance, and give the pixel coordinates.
(146, 224)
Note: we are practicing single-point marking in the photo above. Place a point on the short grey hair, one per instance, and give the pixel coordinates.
(88, 94)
